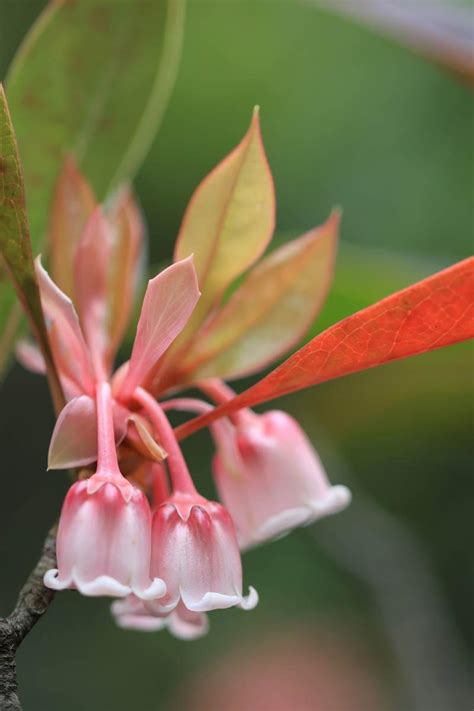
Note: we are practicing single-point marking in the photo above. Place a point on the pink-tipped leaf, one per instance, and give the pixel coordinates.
(169, 302)
(74, 440)
(30, 357)
(91, 267)
(71, 354)
(72, 205)
(128, 233)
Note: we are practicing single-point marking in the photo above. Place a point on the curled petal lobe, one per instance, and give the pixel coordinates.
(103, 544)
(271, 479)
(195, 550)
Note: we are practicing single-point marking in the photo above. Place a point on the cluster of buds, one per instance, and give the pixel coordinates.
(133, 525)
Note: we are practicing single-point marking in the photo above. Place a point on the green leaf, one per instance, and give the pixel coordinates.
(270, 312)
(15, 245)
(92, 78)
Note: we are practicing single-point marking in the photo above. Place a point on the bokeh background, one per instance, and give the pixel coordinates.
(372, 609)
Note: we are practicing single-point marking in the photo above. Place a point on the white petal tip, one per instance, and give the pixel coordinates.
(101, 586)
(51, 580)
(156, 590)
(336, 499)
(251, 601)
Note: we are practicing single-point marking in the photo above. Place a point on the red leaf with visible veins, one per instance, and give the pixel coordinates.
(433, 313)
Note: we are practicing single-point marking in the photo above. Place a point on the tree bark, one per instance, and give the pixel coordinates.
(33, 601)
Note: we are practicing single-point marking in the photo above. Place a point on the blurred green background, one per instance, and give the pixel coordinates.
(378, 597)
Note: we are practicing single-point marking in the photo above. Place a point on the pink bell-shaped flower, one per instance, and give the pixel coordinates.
(270, 478)
(104, 536)
(195, 551)
(103, 543)
(131, 613)
(194, 545)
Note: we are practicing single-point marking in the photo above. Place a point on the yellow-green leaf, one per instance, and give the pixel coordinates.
(230, 219)
(271, 311)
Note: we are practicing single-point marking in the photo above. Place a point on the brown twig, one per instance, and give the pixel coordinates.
(33, 601)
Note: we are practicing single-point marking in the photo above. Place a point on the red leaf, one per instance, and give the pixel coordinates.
(433, 313)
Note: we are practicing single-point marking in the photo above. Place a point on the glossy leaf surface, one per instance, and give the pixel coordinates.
(435, 312)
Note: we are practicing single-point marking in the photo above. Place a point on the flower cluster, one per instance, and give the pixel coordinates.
(133, 525)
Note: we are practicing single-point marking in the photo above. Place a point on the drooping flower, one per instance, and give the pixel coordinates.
(270, 477)
(267, 473)
(266, 470)
(131, 613)
(195, 550)
(103, 541)
(194, 544)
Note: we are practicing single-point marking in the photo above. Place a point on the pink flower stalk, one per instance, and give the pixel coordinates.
(270, 478)
(103, 541)
(132, 614)
(194, 544)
